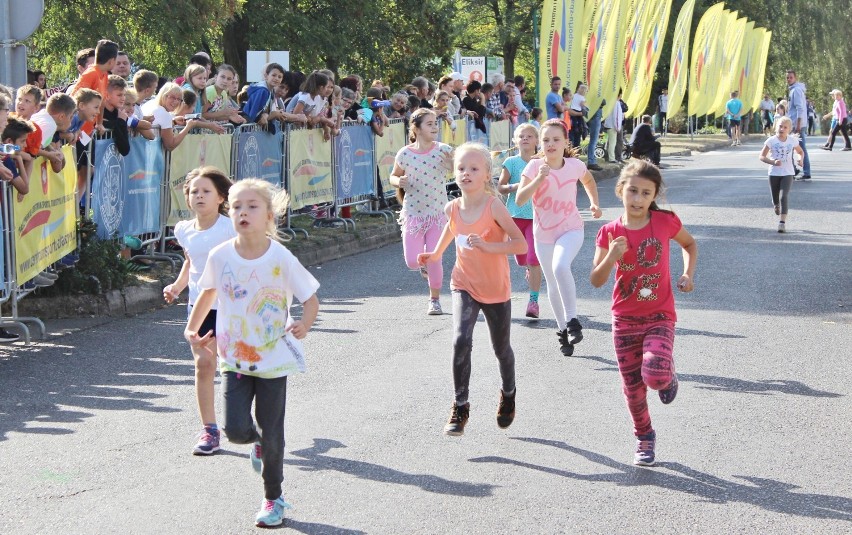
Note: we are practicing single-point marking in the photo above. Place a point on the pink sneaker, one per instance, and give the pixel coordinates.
(532, 309)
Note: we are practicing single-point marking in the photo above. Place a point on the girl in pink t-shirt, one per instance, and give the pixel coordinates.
(484, 234)
(643, 311)
(550, 180)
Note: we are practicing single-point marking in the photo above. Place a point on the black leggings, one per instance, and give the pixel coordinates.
(841, 127)
(779, 186)
(498, 316)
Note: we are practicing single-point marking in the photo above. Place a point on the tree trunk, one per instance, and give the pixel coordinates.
(235, 44)
(510, 52)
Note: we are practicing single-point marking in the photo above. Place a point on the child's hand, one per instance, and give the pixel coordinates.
(297, 329)
(403, 182)
(684, 284)
(299, 118)
(448, 159)
(216, 127)
(195, 340)
(5, 174)
(617, 246)
(543, 171)
(170, 293)
(596, 211)
(122, 114)
(478, 242)
(424, 258)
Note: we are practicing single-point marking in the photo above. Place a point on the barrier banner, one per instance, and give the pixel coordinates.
(500, 135)
(259, 156)
(353, 162)
(386, 148)
(309, 168)
(45, 218)
(194, 151)
(126, 189)
(454, 137)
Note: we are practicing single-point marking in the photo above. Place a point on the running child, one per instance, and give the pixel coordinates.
(253, 278)
(484, 234)
(778, 153)
(643, 307)
(526, 139)
(550, 180)
(206, 192)
(420, 174)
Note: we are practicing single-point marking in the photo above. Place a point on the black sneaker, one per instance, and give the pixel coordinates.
(506, 410)
(575, 331)
(567, 349)
(6, 336)
(806, 178)
(457, 421)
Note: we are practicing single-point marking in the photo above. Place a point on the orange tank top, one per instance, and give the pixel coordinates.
(485, 276)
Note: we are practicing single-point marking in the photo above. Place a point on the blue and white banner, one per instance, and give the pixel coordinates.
(259, 155)
(354, 167)
(126, 189)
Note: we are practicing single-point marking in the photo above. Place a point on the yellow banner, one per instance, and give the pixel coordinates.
(386, 148)
(194, 151)
(604, 55)
(309, 171)
(740, 81)
(560, 47)
(454, 136)
(45, 218)
(730, 47)
(637, 29)
(657, 25)
(701, 76)
(678, 67)
(761, 68)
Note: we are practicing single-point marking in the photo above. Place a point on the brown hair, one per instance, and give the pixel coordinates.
(570, 151)
(144, 79)
(647, 170)
(220, 181)
(30, 89)
(416, 120)
(86, 95)
(116, 82)
(61, 103)
(16, 128)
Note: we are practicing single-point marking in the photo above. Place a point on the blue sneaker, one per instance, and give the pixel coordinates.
(208, 442)
(668, 394)
(271, 512)
(645, 449)
(256, 456)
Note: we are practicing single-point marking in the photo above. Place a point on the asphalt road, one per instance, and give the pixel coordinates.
(96, 425)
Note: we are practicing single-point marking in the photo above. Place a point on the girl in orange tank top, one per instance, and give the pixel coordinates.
(485, 234)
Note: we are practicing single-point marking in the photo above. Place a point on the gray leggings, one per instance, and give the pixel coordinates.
(270, 400)
(498, 316)
(779, 186)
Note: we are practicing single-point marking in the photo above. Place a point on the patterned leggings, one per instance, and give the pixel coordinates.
(643, 347)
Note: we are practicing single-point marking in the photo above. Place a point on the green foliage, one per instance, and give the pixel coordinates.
(99, 269)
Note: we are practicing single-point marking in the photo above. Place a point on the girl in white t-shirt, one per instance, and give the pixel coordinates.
(206, 191)
(778, 153)
(253, 280)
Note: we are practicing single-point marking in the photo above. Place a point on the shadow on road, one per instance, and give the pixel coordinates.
(765, 493)
(311, 527)
(316, 459)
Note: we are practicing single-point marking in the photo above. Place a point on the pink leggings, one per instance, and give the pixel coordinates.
(425, 241)
(643, 347)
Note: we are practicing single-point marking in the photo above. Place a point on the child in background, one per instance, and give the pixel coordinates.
(258, 344)
(206, 191)
(55, 117)
(4, 110)
(526, 140)
(259, 97)
(567, 98)
(28, 102)
(643, 307)
(135, 124)
(188, 105)
(195, 78)
(114, 116)
(484, 234)
(310, 100)
(216, 103)
(535, 117)
(781, 147)
(15, 133)
(550, 181)
(420, 174)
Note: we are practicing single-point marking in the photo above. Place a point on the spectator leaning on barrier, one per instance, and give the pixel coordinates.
(135, 124)
(168, 100)
(260, 95)
(27, 104)
(217, 104)
(115, 118)
(54, 118)
(15, 133)
(421, 86)
(497, 99)
(199, 58)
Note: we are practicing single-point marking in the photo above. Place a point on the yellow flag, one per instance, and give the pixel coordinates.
(560, 49)
(637, 12)
(730, 47)
(604, 55)
(760, 72)
(741, 82)
(657, 26)
(678, 67)
(701, 77)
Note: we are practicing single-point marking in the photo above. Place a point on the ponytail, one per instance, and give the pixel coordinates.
(570, 150)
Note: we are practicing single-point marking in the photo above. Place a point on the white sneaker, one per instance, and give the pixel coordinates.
(434, 308)
(781, 227)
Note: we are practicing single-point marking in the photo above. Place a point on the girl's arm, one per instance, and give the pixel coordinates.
(591, 188)
(690, 256)
(503, 186)
(300, 327)
(173, 290)
(397, 177)
(605, 260)
(765, 152)
(516, 244)
(530, 185)
(199, 311)
(798, 150)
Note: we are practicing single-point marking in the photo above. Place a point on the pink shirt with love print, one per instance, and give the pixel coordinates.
(555, 201)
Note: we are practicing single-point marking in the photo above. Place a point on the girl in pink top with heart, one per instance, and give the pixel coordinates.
(550, 180)
(643, 308)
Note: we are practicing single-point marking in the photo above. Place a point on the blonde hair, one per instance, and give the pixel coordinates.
(130, 96)
(167, 89)
(482, 150)
(275, 197)
(191, 72)
(520, 128)
(783, 120)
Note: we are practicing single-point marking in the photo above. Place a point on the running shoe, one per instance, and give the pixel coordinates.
(208, 442)
(458, 419)
(645, 445)
(271, 512)
(256, 456)
(434, 308)
(532, 309)
(506, 410)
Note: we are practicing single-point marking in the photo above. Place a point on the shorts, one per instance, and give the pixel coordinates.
(83, 155)
(526, 227)
(209, 323)
(735, 122)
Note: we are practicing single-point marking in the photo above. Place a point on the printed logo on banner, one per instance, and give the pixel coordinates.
(110, 191)
(249, 164)
(345, 164)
